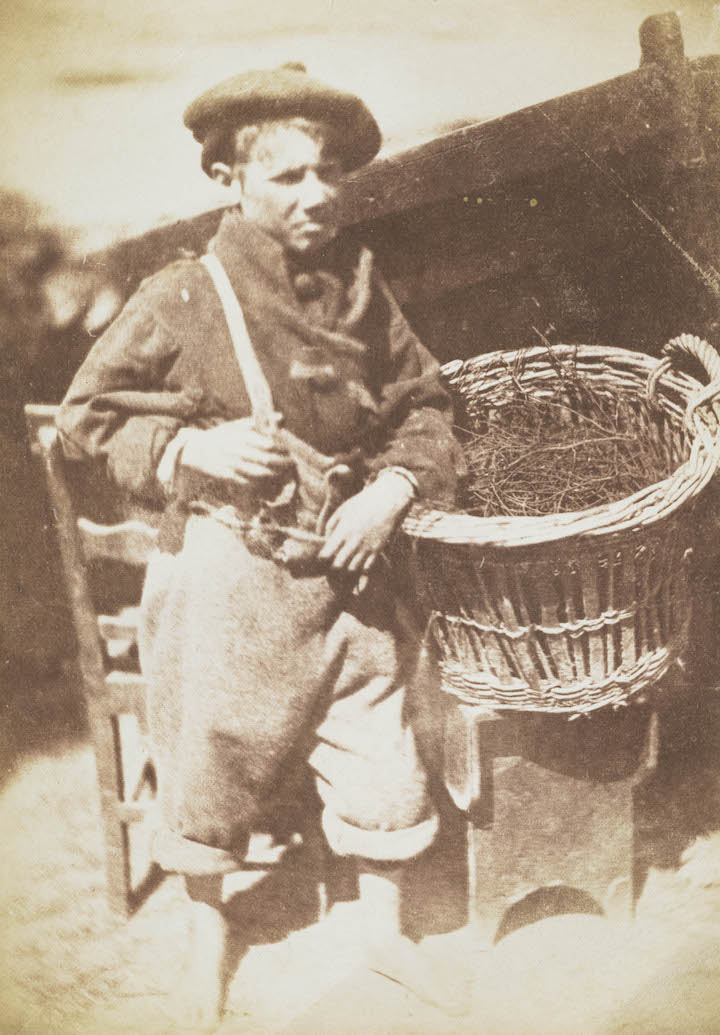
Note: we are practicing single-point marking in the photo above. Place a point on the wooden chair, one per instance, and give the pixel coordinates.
(106, 657)
(114, 688)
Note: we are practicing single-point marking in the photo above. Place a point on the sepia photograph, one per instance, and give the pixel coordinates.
(359, 518)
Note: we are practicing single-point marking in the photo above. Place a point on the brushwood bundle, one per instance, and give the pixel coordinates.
(561, 446)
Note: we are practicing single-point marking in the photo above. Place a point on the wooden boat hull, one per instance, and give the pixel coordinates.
(591, 217)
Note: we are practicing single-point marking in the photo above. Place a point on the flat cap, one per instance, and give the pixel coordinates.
(286, 92)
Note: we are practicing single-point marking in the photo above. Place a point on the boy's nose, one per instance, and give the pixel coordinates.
(315, 192)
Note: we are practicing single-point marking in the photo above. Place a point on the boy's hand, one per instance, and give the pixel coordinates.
(360, 528)
(234, 451)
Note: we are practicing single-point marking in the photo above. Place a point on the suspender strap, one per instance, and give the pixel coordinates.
(256, 383)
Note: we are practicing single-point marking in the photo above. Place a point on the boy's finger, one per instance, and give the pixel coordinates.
(330, 547)
(249, 469)
(257, 456)
(357, 562)
(331, 523)
(345, 554)
(360, 585)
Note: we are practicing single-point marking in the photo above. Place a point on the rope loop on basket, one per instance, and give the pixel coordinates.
(704, 353)
(699, 349)
(709, 394)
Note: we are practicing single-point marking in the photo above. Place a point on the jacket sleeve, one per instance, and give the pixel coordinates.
(118, 410)
(416, 411)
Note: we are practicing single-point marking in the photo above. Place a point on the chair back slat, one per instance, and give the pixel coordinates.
(120, 626)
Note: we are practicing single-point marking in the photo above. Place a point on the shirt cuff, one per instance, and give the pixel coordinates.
(165, 472)
(404, 473)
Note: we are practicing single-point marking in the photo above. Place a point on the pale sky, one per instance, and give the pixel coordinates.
(92, 92)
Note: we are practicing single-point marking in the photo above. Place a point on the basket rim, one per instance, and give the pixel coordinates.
(642, 508)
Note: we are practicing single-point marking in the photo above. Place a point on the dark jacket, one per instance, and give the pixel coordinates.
(345, 369)
(237, 650)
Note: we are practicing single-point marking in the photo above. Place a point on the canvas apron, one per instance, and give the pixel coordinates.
(234, 630)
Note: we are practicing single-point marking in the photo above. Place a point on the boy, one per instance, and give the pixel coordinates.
(272, 396)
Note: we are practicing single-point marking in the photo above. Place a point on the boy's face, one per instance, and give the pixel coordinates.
(290, 188)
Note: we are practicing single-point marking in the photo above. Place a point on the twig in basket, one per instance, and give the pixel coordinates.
(552, 445)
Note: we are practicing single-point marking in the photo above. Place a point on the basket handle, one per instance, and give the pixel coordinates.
(699, 349)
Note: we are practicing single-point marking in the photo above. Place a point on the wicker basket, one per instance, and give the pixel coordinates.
(574, 611)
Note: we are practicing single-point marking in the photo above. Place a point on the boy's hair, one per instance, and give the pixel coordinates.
(232, 145)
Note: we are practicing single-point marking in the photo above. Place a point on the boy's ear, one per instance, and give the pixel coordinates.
(221, 173)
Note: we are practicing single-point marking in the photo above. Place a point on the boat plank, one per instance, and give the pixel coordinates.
(615, 115)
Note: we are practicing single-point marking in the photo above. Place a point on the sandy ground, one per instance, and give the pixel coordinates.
(70, 968)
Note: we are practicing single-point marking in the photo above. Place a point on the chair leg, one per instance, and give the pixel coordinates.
(117, 866)
(318, 851)
(108, 759)
(322, 887)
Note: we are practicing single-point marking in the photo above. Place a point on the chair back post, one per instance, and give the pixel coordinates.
(108, 693)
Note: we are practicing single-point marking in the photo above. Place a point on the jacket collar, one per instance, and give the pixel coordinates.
(245, 250)
(260, 269)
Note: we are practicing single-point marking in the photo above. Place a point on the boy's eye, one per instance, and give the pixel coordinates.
(290, 176)
(330, 173)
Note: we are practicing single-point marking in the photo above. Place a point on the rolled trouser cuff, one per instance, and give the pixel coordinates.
(382, 845)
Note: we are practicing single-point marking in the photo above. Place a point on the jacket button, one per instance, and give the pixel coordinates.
(308, 287)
